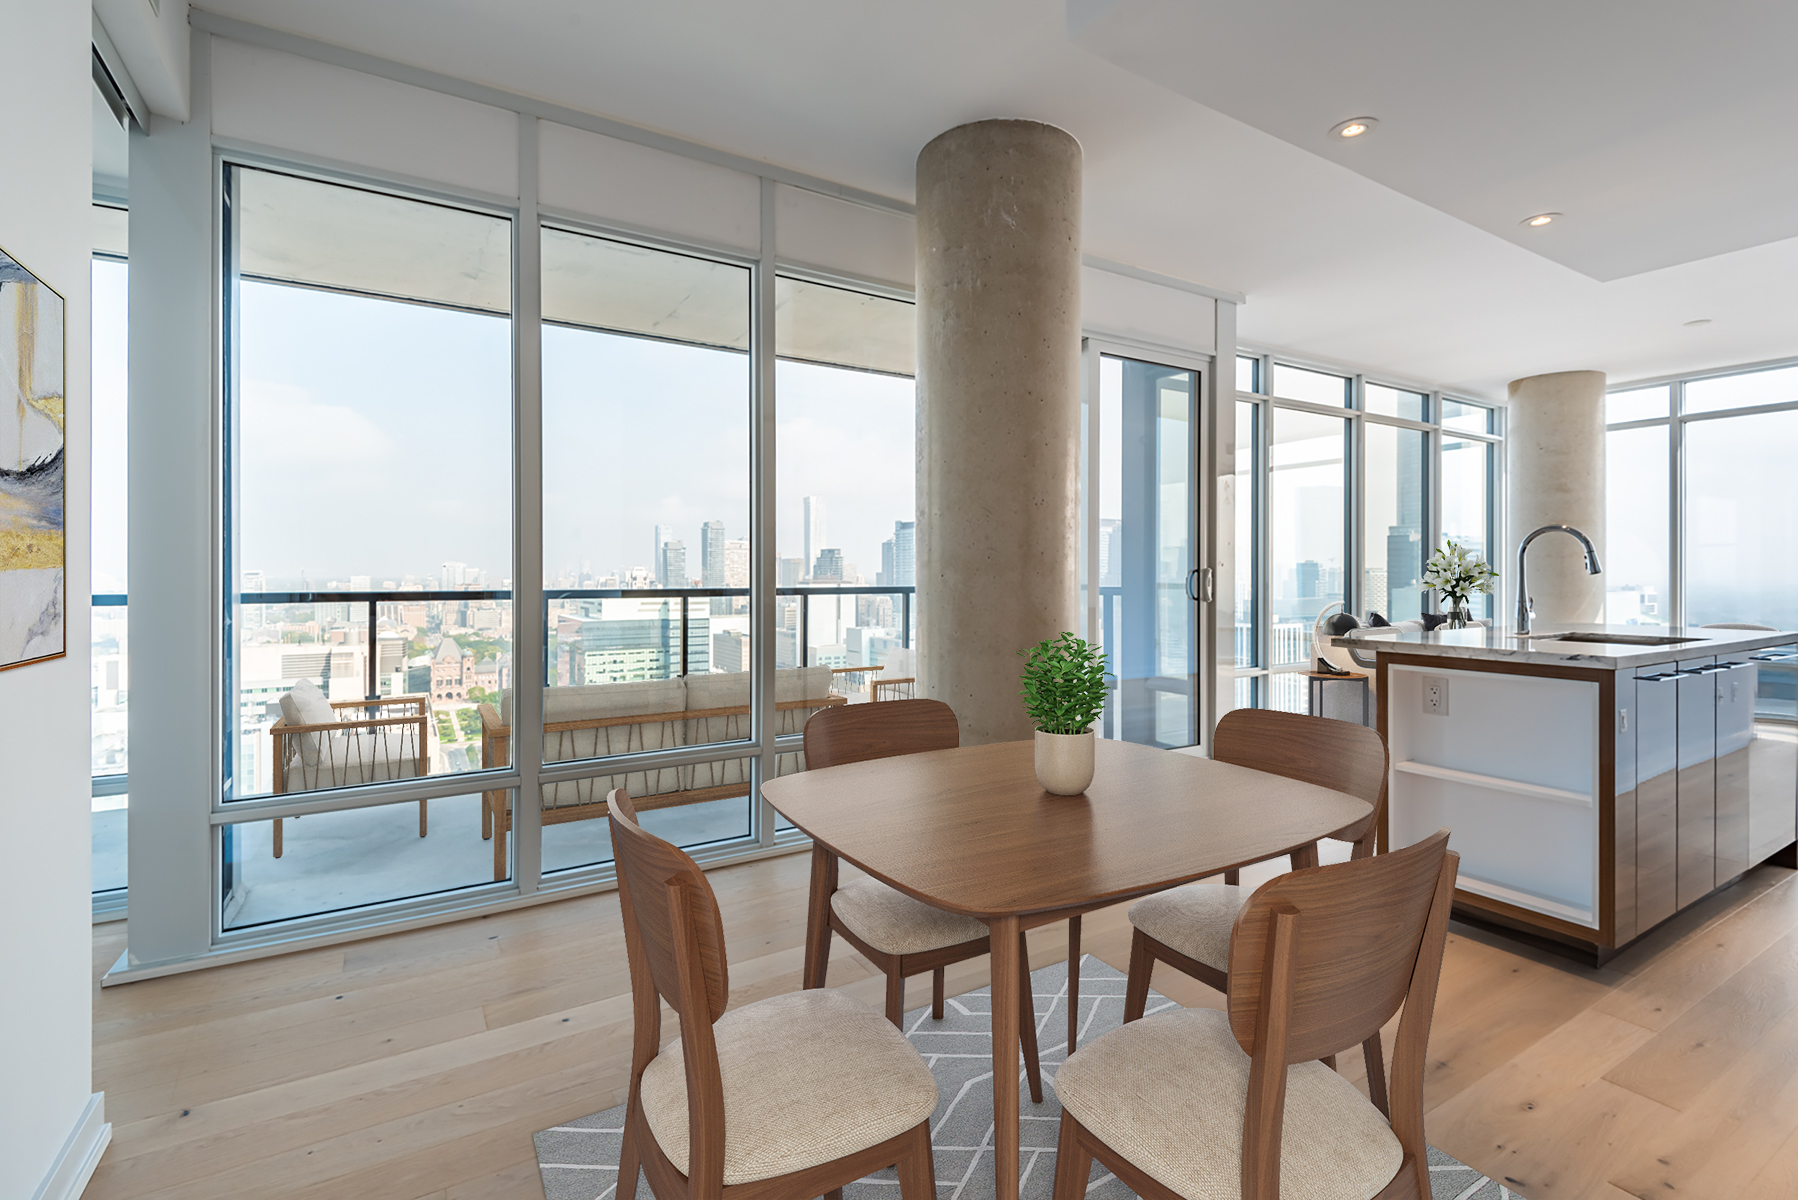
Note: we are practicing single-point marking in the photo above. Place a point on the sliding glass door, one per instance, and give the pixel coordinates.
(1147, 548)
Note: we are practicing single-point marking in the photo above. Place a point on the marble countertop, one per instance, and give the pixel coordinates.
(1542, 646)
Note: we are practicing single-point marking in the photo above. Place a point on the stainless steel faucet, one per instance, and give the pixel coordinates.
(1524, 603)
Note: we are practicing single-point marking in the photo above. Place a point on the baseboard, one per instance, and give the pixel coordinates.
(80, 1154)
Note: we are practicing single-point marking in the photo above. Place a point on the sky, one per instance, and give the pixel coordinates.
(376, 439)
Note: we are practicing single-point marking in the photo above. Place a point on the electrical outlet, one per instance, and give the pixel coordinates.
(1623, 720)
(1435, 696)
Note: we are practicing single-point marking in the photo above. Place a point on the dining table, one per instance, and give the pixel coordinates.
(970, 830)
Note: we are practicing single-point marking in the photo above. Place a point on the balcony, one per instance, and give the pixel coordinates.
(451, 652)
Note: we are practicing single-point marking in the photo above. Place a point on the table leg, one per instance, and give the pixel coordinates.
(817, 917)
(1006, 998)
(1073, 981)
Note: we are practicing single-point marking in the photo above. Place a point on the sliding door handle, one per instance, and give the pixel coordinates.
(1201, 585)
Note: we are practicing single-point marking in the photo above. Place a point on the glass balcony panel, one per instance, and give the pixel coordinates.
(372, 351)
(1638, 404)
(1305, 528)
(1778, 386)
(1467, 503)
(646, 487)
(108, 835)
(334, 861)
(1393, 506)
(1318, 387)
(1741, 545)
(1636, 526)
(1248, 500)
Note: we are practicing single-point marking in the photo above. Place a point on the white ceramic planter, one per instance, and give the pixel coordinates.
(1064, 762)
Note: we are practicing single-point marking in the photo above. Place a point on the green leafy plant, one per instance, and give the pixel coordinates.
(1456, 574)
(1064, 684)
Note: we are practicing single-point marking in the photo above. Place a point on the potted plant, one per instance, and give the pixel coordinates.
(1064, 693)
(1456, 575)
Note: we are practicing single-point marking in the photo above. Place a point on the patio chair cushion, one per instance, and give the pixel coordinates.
(890, 921)
(1195, 920)
(597, 701)
(731, 690)
(1169, 1092)
(809, 1077)
(304, 704)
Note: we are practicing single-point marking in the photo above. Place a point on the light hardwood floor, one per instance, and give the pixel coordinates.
(419, 1064)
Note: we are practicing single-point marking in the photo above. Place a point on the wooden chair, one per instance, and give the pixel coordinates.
(899, 935)
(1189, 927)
(1320, 959)
(784, 1099)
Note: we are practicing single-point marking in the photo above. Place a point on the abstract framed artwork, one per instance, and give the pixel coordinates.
(33, 550)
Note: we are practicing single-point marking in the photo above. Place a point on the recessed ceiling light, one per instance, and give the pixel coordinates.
(1541, 219)
(1354, 127)
(1699, 321)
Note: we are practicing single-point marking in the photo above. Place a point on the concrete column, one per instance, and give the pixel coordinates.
(1554, 442)
(998, 412)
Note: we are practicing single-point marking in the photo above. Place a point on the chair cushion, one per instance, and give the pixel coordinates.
(809, 1077)
(893, 922)
(1195, 920)
(304, 704)
(597, 701)
(1168, 1093)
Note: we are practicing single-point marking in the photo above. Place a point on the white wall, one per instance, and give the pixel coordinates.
(45, 934)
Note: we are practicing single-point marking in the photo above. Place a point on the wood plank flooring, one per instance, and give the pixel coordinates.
(418, 1065)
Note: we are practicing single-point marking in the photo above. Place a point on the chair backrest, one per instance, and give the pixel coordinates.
(1334, 754)
(852, 733)
(1354, 953)
(650, 871)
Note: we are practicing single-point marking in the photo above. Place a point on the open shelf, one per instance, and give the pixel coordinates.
(1495, 783)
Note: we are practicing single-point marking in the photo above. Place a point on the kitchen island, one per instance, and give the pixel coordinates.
(1597, 779)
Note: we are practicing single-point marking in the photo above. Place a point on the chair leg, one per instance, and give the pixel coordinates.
(1136, 990)
(422, 817)
(486, 816)
(501, 821)
(628, 1164)
(833, 1194)
(1375, 1057)
(896, 997)
(277, 837)
(1073, 981)
(1073, 1162)
(936, 994)
(1328, 1060)
(1027, 1022)
(1233, 878)
(917, 1168)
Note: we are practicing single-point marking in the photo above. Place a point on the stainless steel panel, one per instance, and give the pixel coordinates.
(1623, 824)
(1735, 686)
(1773, 755)
(1697, 749)
(1657, 795)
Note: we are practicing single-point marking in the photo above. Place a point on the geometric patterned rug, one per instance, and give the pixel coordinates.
(579, 1161)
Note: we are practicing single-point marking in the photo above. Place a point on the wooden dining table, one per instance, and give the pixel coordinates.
(970, 830)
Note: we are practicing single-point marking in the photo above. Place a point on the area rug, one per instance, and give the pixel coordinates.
(579, 1160)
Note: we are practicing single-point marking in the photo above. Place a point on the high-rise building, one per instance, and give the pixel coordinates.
(1111, 557)
(736, 563)
(791, 571)
(828, 565)
(904, 570)
(663, 535)
(814, 528)
(454, 574)
(711, 555)
(671, 565)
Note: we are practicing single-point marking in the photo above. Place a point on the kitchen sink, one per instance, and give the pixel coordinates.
(1626, 639)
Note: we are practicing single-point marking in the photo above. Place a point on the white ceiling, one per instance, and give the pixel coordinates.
(1660, 129)
(1335, 265)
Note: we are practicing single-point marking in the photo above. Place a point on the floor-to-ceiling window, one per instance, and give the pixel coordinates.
(111, 641)
(1345, 485)
(368, 540)
(1695, 469)
(646, 536)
